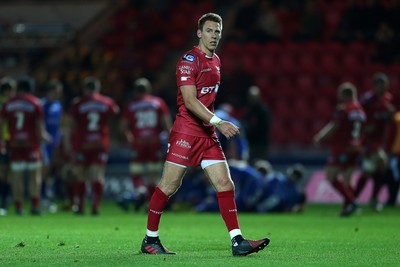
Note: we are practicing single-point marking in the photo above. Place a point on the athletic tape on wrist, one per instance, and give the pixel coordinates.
(215, 121)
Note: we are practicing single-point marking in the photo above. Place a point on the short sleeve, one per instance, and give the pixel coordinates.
(186, 70)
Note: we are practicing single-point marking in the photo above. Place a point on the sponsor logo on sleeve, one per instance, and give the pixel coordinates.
(185, 69)
(183, 78)
(189, 57)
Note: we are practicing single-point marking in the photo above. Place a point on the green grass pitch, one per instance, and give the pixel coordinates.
(318, 237)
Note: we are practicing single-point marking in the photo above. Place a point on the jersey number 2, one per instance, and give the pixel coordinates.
(93, 118)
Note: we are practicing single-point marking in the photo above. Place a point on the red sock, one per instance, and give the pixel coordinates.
(227, 207)
(35, 202)
(344, 190)
(150, 190)
(156, 208)
(71, 193)
(137, 181)
(360, 184)
(97, 191)
(81, 192)
(18, 204)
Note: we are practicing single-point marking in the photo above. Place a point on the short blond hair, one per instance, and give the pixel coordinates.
(348, 89)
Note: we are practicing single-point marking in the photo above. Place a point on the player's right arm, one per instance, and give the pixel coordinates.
(67, 129)
(193, 104)
(42, 133)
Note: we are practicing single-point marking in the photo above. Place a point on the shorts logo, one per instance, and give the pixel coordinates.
(180, 156)
(189, 57)
(184, 144)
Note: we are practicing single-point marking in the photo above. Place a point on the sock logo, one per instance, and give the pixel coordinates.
(156, 212)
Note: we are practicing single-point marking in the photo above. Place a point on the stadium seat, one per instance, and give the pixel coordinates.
(332, 20)
(286, 63)
(352, 63)
(266, 64)
(281, 108)
(301, 106)
(248, 62)
(306, 63)
(329, 63)
(280, 134)
(315, 48)
(322, 107)
(300, 131)
(333, 48)
(305, 83)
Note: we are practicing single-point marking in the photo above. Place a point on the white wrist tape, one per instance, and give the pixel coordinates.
(215, 121)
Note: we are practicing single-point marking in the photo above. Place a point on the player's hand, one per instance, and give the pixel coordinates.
(228, 129)
(47, 137)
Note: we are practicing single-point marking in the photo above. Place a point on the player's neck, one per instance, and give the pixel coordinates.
(205, 50)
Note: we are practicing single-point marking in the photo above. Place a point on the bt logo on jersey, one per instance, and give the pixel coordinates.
(209, 89)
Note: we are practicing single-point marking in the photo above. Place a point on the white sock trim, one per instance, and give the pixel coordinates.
(234, 233)
(151, 233)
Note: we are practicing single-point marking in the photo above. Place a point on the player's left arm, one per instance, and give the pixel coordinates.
(326, 132)
(124, 127)
(194, 105)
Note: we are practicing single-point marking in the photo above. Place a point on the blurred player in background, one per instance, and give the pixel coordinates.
(24, 115)
(282, 192)
(53, 111)
(193, 140)
(236, 147)
(146, 123)
(379, 110)
(344, 134)
(256, 122)
(89, 139)
(7, 90)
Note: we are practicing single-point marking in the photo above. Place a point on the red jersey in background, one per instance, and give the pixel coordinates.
(91, 114)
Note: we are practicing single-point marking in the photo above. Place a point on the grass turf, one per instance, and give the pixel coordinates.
(318, 237)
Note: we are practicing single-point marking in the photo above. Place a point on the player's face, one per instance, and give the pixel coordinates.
(209, 36)
(380, 88)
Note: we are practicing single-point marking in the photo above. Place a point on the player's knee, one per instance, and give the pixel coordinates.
(169, 187)
(224, 184)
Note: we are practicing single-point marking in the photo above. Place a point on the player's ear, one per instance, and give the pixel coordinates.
(199, 33)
